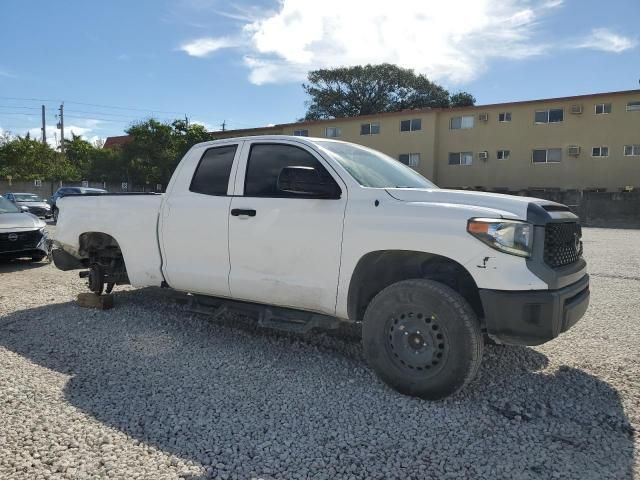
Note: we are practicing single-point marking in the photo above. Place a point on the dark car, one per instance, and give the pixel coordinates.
(21, 234)
(64, 191)
(33, 203)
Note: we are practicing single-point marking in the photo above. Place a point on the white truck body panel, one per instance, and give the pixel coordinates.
(133, 228)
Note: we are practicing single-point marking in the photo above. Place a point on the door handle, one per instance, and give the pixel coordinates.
(236, 212)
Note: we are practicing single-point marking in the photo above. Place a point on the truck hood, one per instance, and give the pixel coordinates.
(19, 221)
(509, 206)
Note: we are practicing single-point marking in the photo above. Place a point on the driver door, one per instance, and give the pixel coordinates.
(284, 247)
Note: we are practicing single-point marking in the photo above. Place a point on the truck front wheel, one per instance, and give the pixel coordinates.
(422, 338)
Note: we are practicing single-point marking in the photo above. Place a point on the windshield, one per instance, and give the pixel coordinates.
(27, 197)
(371, 168)
(7, 207)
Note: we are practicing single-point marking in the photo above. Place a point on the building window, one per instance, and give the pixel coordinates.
(369, 128)
(461, 158)
(600, 152)
(548, 155)
(503, 154)
(632, 150)
(602, 108)
(410, 159)
(633, 107)
(504, 117)
(333, 132)
(457, 123)
(553, 115)
(411, 125)
(301, 133)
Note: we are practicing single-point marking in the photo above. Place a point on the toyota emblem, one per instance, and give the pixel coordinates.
(13, 237)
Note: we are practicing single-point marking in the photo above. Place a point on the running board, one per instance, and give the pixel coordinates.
(275, 318)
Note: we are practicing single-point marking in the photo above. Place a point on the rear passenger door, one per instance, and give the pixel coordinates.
(194, 221)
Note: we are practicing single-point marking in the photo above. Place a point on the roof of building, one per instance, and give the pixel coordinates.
(121, 140)
(111, 142)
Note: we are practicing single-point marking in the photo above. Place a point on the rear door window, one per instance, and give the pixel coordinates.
(212, 174)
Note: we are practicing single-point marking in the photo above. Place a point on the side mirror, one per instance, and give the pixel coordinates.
(306, 181)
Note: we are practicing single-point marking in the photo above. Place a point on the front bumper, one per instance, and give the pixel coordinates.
(24, 243)
(534, 317)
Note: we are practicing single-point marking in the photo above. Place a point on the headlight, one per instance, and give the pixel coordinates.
(509, 236)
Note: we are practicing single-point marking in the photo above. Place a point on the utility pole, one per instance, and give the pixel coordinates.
(61, 127)
(44, 127)
(224, 125)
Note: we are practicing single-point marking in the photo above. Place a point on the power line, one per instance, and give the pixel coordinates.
(18, 113)
(18, 106)
(105, 113)
(113, 107)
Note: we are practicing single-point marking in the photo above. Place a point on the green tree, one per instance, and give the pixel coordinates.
(362, 90)
(156, 148)
(24, 158)
(79, 153)
(462, 99)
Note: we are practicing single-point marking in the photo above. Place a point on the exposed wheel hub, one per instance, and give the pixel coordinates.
(96, 278)
(416, 340)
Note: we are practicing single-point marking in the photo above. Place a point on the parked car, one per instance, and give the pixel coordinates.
(22, 234)
(34, 204)
(317, 230)
(64, 191)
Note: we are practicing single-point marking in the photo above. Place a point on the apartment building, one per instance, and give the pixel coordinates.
(586, 142)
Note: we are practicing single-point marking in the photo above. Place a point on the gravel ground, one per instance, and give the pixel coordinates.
(149, 390)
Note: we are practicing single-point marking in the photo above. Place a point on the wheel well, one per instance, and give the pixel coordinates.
(102, 249)
(377, 270)
(92, 242)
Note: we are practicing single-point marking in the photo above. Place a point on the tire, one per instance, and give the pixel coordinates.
(55, 215)
(422, 339)
(38, 258)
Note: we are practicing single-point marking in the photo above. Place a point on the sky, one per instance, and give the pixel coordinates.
(243, 62)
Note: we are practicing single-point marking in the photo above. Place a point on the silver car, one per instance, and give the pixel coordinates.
(22, 235)
(33, 203)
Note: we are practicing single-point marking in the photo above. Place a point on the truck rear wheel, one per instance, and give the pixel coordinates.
(422, 338)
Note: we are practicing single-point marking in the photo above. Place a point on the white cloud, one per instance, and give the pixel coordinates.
(86, 130)
(5, 74)
(452, 41)
(206, 125)
(607, 41)
(202, 47)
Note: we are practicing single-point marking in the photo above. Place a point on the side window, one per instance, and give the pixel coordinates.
(212, 174)
(265, 163)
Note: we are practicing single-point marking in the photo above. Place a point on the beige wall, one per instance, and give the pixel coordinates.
(520, 136)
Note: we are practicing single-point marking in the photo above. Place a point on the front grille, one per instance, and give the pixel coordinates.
(24, 241)
(562, 244)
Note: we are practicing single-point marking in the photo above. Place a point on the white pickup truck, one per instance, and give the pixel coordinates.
(314, 230)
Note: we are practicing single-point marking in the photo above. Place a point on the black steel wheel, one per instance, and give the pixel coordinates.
(417, 341)
(422, 338)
